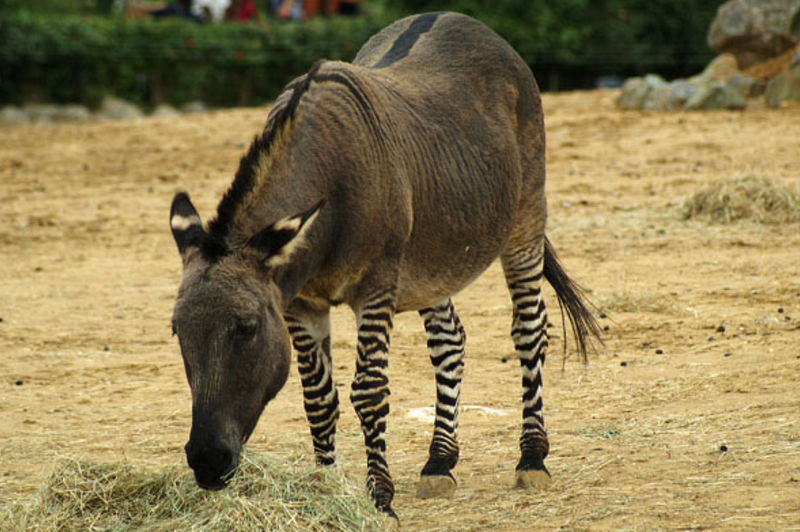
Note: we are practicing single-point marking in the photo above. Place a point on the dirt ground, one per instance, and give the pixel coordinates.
(676, 425)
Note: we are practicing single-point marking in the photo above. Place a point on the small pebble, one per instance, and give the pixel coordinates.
(504, 360)
(19, 382)
(780, 310)
(659, 352)
(753, 292)
(606, 328)
(786, 318)
(623, 364)
(721, 329)
(723, 448)
(711, 338)
(603, 315)
(728, 353)
(105, 348)
(1, 320)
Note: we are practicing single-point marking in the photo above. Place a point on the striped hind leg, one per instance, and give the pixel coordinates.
(524, 272)
(446, 340)
(311, 338)
(370, 392)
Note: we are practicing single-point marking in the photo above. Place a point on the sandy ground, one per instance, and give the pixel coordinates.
(704, 436)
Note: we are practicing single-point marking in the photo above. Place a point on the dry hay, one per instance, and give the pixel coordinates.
(756, 199)
(263, 496)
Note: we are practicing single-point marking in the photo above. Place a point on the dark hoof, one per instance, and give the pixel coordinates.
(436, 487)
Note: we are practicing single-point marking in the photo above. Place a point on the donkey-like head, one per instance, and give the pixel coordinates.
(235, 346)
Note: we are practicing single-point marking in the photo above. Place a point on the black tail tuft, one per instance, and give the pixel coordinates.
(572, 300)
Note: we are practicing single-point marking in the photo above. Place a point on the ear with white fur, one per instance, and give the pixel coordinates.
(280, 240)
(187, 228)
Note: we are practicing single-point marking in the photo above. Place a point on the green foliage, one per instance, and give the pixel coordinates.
(72, 58)
(51, 50)
(611, 36)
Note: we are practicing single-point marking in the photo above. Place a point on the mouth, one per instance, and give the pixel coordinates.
(213, 482)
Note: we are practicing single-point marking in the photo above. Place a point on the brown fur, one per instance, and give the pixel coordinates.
(428, 151)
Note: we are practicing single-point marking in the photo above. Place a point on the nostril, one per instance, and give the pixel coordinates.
(211, 462)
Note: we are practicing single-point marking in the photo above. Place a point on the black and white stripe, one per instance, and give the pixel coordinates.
(370, 391)
(524, 274)
(311, 339)
(446, 339)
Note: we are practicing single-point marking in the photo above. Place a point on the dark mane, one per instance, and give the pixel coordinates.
(215, 245)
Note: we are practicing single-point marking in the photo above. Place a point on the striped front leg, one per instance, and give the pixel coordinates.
(311, 339)
(370, 393)
(523, 272)
(446, 340)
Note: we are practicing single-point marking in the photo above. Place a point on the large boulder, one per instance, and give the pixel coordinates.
(755, 30)
(784, 87)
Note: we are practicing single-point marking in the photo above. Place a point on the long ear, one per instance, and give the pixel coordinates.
(187, 228)
(280, 240)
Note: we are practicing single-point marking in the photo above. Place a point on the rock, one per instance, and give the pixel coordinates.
(721, 69)
(164, 110)
(755, 30)
(41, 113)
(636, 90)
(13, 115)
(194, 107)
(669, 97)
(117, 109)
(715, 95)
(745, 85)
(784, 87)
(73, 113)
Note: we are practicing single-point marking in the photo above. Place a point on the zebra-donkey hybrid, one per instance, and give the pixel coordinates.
(388, 185)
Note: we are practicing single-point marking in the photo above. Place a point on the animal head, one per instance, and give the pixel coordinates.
(233, 339)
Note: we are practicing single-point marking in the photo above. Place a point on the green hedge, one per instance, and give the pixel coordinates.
(568, 43)
(72, 58)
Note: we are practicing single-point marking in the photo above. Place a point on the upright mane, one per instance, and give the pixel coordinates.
(216, 245)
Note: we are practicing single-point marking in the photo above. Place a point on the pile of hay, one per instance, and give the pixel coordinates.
(755, 199)
(263, 496)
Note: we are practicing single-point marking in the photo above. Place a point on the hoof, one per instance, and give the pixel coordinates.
(532, 478)
(436, 487)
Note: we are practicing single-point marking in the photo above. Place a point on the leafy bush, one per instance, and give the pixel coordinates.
(72, 58)
(61, 57)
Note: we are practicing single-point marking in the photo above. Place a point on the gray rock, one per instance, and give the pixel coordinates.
(669, 97)
(164, 110)
(784, 87)
(636, 90)
(715, 95)
(117, 109)
(42, 113)
(744, 85)
(755, 30)
(721, 69)
(13, 115)
(73, 113)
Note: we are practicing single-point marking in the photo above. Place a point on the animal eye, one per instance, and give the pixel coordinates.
(174, 327)
(246, 328)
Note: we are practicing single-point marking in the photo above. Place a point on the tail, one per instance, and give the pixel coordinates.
(572, 300)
